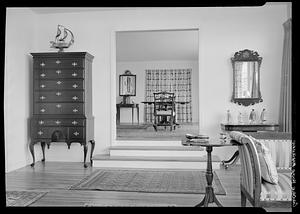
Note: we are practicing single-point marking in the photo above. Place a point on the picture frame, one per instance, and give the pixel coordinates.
(127, 84)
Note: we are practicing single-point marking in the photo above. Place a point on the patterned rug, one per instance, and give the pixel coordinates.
(155, 181)
(22, 198)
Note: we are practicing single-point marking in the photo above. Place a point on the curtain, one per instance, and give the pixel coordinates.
(177, 81)
(285, 108)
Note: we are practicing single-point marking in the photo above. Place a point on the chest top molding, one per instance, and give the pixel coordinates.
(63, 54)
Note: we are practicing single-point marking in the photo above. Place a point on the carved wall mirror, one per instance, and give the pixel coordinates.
(246, 77)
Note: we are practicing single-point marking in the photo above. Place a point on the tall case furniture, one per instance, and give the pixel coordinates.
(62, 101)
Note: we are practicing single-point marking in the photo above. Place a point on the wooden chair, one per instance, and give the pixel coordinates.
(164, 110)
(253, 188)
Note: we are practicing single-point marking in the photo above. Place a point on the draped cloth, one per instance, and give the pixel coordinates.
(285, 105)
(177, 81)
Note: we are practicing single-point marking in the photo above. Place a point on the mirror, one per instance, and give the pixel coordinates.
(127, 83)
(246, 77)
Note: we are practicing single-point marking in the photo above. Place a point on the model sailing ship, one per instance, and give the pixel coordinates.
(64, 38)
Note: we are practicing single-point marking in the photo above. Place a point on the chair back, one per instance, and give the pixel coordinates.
(279, 144)
(164, 103)
(250, 167)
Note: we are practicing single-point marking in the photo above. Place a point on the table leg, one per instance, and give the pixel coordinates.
(232, 161)
(138, 114)
(209, 191)
(118, 115)
(132, 112)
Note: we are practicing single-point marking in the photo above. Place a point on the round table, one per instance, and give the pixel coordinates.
(210, 196)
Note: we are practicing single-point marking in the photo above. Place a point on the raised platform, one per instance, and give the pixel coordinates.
(162, 159)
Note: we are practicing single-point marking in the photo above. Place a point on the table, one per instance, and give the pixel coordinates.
(129, 105)
(254, 127)
(210, 196)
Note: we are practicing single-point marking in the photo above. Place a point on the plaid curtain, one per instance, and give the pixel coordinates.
(177, 81)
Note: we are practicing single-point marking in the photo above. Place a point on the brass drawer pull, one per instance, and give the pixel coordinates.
(75, 86)
(58, 93)
(74, 64)
(75, 98)
(42, 97)
(42, 64)
(43, 75)
(41, 122)
(57, 61)
(57, 122)
(40, 132)
(74, 74)
(74, 122)
(58, 71)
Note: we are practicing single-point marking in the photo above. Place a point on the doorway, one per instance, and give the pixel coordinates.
(159, 60)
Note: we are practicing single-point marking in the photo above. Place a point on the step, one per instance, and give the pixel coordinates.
(107, 161)
(184, 151)
(147, 143)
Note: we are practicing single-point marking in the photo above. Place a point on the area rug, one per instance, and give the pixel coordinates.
(155, 181)
(22, 198)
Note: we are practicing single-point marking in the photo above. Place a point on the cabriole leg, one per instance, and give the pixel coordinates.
(43, 150)
(31, 148)
(85, 148)
(92, 150)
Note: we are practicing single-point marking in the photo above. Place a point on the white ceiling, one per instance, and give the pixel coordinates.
(157, 45)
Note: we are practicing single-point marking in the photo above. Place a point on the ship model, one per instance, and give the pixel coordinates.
(64, 38)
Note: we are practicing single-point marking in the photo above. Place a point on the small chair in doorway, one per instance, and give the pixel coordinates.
(164, 110)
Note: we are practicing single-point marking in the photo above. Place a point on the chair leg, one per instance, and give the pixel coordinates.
(243, 199)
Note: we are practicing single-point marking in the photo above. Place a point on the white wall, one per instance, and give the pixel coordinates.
(19, 42)
(138, 68)
(223, 31)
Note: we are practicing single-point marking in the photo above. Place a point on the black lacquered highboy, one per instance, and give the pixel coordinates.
(62, 101)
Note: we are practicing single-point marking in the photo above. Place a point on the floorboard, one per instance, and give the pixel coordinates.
(57, 177)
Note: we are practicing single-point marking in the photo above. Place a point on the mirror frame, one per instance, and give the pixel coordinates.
(127, 75)
(246, 55)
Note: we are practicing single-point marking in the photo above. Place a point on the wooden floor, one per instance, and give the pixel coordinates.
(57, 177)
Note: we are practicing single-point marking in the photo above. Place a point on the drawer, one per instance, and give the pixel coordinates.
(48, 132)
(58, 108)
(59, 73)
(39, 132)
(59, 122)
(58, 63)
(58, 84)
(59, 96)
(76, 133)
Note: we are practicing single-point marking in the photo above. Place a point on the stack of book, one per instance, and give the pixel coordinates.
(224, 138)
(193, 140)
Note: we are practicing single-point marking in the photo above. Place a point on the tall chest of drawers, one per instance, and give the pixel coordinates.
(62, 101)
